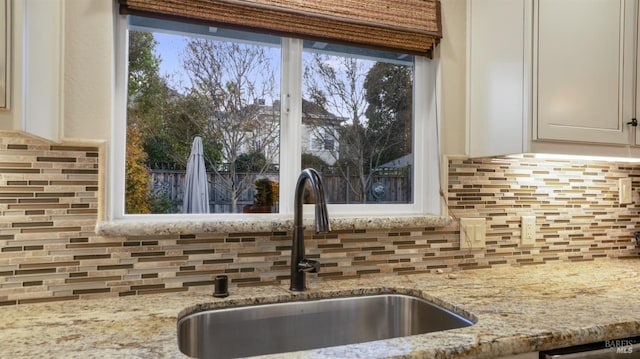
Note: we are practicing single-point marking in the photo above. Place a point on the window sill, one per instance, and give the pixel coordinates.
(168, 226)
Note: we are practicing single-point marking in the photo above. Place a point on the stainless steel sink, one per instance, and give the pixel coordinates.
(291, 326)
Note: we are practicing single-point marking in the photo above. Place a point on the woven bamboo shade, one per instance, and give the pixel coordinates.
(411, 26)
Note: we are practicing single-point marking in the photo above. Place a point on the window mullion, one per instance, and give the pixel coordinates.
(290, 121)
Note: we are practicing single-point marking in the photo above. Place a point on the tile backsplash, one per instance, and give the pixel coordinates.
(49, 250)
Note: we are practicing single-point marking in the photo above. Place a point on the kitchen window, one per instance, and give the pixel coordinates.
(264, 107)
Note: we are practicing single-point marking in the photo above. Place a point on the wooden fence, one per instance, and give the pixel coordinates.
(387, 187)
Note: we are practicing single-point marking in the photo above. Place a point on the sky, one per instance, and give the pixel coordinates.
(170, 48)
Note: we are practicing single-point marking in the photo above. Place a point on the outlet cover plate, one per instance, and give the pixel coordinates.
(473, 233)
(528, 232)
(624, 191)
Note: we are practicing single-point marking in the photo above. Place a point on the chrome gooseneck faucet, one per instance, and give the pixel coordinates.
(300, 265)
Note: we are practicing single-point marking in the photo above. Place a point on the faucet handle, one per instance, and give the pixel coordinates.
(309, 266)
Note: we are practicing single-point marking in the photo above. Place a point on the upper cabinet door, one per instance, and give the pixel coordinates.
(637, 112)
(498, 76)
(584, 61)
(42, 51)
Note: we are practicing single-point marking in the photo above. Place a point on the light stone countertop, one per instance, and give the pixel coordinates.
(206, 223)
(519, 309)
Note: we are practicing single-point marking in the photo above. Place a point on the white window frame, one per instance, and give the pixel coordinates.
(426, 178)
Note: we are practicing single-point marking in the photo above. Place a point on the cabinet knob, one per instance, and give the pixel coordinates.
(633, 122)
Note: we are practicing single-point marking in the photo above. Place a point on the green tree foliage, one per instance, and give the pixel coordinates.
(166, 119)
(159, 150)
(389, 93)
(161, 124)
(147, 90)
(144, 99)
(254, 162)
(138, 199)
(376, 100)
(162, 204)
(312, 161)
(186, 116)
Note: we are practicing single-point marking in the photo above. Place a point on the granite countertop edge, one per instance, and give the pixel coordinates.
(168, 225)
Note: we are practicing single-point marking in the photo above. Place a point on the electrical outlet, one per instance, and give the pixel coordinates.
(472, 233)
(528, 232)
(624, 191)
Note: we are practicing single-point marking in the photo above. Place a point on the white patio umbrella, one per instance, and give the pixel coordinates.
(196, 187)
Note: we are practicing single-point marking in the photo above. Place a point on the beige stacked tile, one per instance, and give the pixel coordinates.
(49, 249)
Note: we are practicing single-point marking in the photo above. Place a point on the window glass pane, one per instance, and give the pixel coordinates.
(187, 81)
(357, 122)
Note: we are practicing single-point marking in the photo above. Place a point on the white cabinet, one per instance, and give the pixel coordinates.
(498, 76)
(554, 76)
(584, 63)
(36, 54)
(637, 112)
(5, 45)
(42, 75)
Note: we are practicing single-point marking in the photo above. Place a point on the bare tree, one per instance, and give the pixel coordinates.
(375, 97)
(235, 79)
(335, 84)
